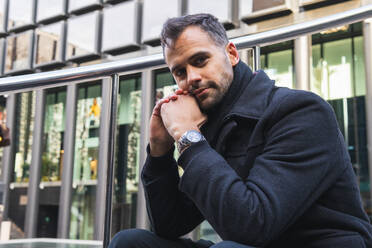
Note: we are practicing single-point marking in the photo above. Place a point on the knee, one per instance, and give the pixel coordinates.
(128, 238)
(223, 244)
(230, 244)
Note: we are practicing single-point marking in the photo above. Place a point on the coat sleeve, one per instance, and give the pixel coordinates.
(171, 213)
(302, 143)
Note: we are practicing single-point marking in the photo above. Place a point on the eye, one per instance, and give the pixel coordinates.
(180, 72)
(200, 61)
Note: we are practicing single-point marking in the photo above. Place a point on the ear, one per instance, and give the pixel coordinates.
(233, 53)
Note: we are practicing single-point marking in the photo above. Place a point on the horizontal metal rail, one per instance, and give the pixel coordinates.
(61, 77)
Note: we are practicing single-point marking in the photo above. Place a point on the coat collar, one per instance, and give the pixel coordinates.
(247, 97)
(255, 97)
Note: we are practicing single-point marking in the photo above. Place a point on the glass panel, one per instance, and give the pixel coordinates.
(50, 8)
(218, 8)
(127, 155)
(115, 35)
(18, 52)
(280, 68)
(164, 84)
(85, 162)
(23, 140)
(54, 127)
(338, 76)
(307, 2)
(316, 71)
(246, 8)
(79, 4)
(154, 16)
(360, 81)
(82, 43)
(20, 13)
(24, 125)
(263, 61)
(49, 43)
(262, 5)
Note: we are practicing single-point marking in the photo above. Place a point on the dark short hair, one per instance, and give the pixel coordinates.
(173, 28)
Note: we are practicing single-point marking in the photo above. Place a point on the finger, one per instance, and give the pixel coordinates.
(157, 107)
(173, 97)
(179, 92)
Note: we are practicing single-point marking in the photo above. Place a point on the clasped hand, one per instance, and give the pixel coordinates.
(171, 117)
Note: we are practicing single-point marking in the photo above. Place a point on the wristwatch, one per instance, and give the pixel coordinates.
(188, 138)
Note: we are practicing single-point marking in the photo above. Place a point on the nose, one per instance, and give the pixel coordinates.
(193, 77)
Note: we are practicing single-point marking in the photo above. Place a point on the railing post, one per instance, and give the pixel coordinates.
(64, 213)
(302, 56)
(8, 152)
(106, 159)
(256, 58)
(147, 103)
(33, 192)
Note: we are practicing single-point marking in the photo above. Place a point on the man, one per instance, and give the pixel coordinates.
(265, 166)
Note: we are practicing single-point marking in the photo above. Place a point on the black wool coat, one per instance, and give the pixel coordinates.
(274, 172)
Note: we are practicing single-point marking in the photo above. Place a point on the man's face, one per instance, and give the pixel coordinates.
(200, 66)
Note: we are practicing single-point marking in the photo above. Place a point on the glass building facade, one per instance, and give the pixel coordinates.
(62, 34)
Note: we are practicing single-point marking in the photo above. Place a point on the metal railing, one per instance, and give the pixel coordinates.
(59, 78)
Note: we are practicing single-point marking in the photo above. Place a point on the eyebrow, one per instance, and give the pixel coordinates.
(191, 58)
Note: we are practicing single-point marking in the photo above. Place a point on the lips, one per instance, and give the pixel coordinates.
(199, 92)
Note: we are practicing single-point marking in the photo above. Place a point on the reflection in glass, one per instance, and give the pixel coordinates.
(85, 161)
(164, 84)
(279, 67)
(48, 43)
(81, 4)
(47, 9)
(20, 13)
(18, 52)
(155, 13)
(334, 71)
(23, 130)
(2, 16)
(52, 156)
(82, 35)
(127, 162)
(218, 8)
(2, 121)
(115, 34)
(338, 76)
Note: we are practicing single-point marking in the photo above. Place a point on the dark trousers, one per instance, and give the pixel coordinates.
(138, 238)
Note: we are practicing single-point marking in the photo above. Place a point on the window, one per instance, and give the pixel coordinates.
(48, 10)
(119, 38)
(83, 46)
(83, 5)
(338, 75)
(52, 156)
(85, 161)
(49, 45)
(222, 9)
(154, 15)
(127, 172)
(19, 52)
(21, 14)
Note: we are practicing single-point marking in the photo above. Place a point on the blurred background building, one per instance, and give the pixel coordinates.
(44, 35)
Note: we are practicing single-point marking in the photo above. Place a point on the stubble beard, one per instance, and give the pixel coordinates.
(215, 97)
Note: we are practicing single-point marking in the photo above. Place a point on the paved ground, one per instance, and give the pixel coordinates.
(50, 243)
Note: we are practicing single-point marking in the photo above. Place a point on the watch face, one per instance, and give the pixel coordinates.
(193, 136)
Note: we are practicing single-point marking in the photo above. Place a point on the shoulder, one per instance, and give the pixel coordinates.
(291, 99)
(302, 107)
